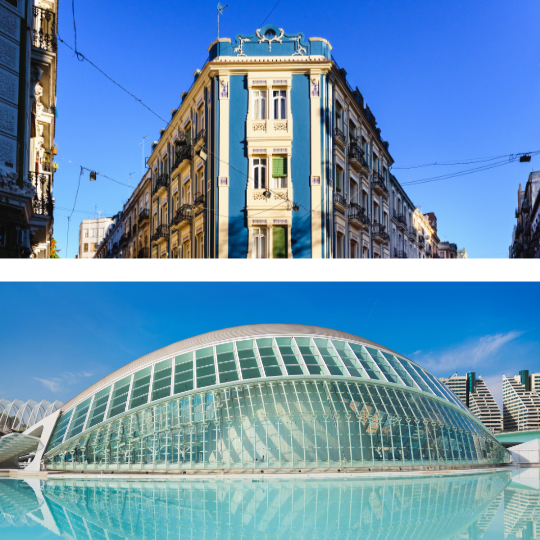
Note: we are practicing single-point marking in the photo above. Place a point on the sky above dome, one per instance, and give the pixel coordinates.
(92, 329)
(446, 81)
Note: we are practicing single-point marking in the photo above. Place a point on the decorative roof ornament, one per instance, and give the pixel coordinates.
(269, 36)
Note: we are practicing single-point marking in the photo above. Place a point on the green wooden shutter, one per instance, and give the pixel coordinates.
(279, 242)
(279, 167)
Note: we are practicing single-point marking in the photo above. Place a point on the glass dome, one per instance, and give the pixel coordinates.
(269, 397)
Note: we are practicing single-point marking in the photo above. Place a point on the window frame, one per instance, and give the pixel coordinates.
(259, 112)
(257, 164)
(259, 248)
(282, 98)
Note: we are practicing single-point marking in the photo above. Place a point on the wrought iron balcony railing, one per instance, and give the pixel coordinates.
(412, 233)
(339, 200)
(124, 239)
(143, 253)
(200, 138)
(42, 203)
(356, 155)
(162, 231)
(421, 239)
(400, 254)
(378, 184)
(358, 213)
(198, 199)
(162, 181)
(379, 233)
(184, 152)
(44, 29)
(184, 213)
(143, 215)
(339, 136)
(115, 249)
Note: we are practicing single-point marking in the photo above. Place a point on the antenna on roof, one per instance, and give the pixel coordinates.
(220, 9)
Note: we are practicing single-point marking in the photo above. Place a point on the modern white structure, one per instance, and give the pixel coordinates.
(18, 416)
(91, 233)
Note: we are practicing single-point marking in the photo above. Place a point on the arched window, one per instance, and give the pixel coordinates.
(259, 104)
(259, 173)
(280, 104)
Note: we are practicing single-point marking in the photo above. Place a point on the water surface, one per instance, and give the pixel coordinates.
(497, 505)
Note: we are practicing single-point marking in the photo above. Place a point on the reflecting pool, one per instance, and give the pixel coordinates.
(496, 505)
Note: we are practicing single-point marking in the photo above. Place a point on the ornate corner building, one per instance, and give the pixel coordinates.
(526, 233)
(28, 51)
(271, 154)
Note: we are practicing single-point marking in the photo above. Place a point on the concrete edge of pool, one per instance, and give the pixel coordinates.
(252, 474)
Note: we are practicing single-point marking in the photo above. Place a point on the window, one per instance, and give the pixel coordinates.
(259, 104)
(354, 250)
(339, 179)
(339, 246)
(200, 247)
(259, 173)
(187, 250)
(279, 243)
(259, 244)
(353, 191)
(94, 247)
(280, 104)
(86, 248)
(86, 233)
(279, 172)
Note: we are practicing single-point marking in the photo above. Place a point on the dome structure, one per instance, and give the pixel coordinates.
(18, 416)
(269, 396)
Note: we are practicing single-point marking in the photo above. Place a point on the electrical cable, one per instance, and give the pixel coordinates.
(271, 11)
(461, 162)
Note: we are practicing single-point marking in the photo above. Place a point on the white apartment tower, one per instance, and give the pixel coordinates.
(91, 233)
(474, 394)
(521, 401)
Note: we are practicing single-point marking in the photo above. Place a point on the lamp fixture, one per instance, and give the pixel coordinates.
(93, 175)
(525, 158)
(267, 194)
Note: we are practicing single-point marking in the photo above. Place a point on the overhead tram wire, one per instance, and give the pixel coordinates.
(271, 11)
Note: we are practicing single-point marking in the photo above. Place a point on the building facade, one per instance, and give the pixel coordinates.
(526, 233)
(268, 397)
(27, 126)
(270, 154)
(475, 395)
(91, 234)
(448, 250)
(521, 402)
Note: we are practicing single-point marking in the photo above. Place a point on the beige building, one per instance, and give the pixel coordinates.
(91, 234)
(475, 395)
(521, 402)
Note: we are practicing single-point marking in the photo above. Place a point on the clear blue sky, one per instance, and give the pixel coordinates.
(90, 329)
(445, 80)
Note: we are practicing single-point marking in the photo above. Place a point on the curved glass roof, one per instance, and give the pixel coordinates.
(309, 352)
(18, 415)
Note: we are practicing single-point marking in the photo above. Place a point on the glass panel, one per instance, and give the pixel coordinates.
(331, 359)
(59, 430)
(311, 356)
(141, 387)
(79, 418)
(399, 369)
(183, 373)
(98, 407)
(161, 386)
(413, 374)
(226, 363)
(248, 359)
(349, 359)
(290, 355)
(119, 397)
(206, 369)
(383, 365)
(366, 361)
(269, 357)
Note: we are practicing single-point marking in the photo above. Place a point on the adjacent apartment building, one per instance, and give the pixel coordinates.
(91, 234)
(28, 59)
(526, 233)
(521, 401)
(271, 154)
(475, 395)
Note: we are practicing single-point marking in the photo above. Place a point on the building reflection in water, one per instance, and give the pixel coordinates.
(406, 508)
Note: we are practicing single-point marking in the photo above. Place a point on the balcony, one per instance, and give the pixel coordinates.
(161, 234)
(400, 220)
(143, 253)
(162, 183)
(378, 185)
(124, 239)
(421, 240)
(400, 254)
(42, 203)
(339, 138)
(380, 236)
(183, 215)
(44, 29)
(115, 249)
(200, 140)
(198, 200)
(339, 201)
(357, 160)
(358, 216)
(143, 216)
(412, 234)
(183, 153)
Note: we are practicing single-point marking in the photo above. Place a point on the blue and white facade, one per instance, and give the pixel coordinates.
(272, 154)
